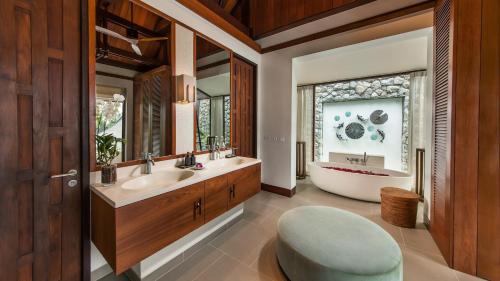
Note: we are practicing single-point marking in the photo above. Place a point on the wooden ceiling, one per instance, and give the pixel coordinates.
(117, 15)
(260, 18)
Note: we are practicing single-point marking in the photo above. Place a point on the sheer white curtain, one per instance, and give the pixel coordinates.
(217, 116)
(305, 101)
(419, 112)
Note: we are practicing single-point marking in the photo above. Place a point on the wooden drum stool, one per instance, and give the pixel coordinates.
(399, 206)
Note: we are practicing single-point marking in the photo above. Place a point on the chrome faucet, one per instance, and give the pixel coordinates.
(149, 162)
(365, 159)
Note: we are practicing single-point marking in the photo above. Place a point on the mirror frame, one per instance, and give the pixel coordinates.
(231, 90)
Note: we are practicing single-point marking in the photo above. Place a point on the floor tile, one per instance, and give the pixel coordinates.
(420, 238)
(419, 266)
(267, 262)
(243, 241)
(194, 265)
(229, 269)
(466, 277)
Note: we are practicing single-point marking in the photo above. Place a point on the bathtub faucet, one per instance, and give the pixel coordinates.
(365, 159)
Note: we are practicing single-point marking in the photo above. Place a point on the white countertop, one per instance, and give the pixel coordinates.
(118, 196)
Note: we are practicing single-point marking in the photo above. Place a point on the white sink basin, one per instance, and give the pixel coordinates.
(226, 162)
(157, 179)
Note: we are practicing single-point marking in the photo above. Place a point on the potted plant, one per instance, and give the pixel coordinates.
(107, 150)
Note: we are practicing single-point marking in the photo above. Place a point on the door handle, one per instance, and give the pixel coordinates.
(70, 173)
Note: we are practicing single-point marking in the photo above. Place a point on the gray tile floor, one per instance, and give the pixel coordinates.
(245, 251)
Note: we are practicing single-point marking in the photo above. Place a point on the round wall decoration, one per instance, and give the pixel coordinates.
(354, 130)
(379, 117)
(347, 114)
(337, 118)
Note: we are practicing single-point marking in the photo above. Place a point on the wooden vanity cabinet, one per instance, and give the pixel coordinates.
(129, 234)
(243, 184)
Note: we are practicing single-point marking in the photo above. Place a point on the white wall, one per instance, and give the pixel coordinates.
(277, 92)
(400, 53)
(390, 148)
(184, 113)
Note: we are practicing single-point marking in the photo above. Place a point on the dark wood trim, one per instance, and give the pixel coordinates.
(114, 75)
(134, 57)
(86, 14)
(220, 22)
(173, 68)
(312, 18)
(214, 64)
(125, 23)
(279, 190)
(414, 9)
(225, 15)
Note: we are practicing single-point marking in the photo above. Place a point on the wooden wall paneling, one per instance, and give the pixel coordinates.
(466, 80)
(441, 170)
(9, 147)
(488, 254)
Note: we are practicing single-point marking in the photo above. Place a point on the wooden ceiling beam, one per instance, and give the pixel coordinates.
(125, 23)
(229, 5)
(220, 22)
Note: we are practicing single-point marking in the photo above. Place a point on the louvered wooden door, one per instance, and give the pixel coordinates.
(441, 196)
(152, 121)
(40, 91)
(243, 108)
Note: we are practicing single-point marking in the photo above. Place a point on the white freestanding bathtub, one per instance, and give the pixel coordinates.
(355, 185)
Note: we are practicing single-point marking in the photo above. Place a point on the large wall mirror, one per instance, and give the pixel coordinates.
(133, 82)
(213, 100)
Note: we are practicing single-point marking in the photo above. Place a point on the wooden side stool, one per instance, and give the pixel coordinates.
(399, 206)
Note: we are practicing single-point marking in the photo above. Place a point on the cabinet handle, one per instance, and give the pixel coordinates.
(234, 191)
(199, 206)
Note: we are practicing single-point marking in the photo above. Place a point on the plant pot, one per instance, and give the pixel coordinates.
(108, 175)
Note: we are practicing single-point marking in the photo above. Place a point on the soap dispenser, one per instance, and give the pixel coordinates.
(192, 161)
(187, 160)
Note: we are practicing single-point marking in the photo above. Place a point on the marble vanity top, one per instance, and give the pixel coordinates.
(165, 178)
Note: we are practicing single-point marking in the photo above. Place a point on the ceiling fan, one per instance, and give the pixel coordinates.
(132, 34)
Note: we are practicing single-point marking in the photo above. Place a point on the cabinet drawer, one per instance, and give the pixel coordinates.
(216, 197)
(243, 184)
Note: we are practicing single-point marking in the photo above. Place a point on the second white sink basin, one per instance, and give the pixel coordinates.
(224, 162)
(157, 179)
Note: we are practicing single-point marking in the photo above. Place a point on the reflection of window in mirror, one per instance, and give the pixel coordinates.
(213, 105)
(110, 114)
(133, 60)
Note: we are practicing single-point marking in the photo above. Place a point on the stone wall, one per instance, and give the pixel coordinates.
(364, 89)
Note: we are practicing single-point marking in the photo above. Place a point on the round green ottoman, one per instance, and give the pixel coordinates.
(317, 243)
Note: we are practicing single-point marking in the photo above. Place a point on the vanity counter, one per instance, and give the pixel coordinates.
(135, 188)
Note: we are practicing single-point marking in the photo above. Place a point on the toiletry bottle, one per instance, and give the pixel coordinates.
(193, 159)
(187, 160)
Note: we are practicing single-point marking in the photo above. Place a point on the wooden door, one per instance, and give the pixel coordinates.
(216, 197)
(441, 197)
(243, 105)
(152, 116)
(40, 82)
(243, 184)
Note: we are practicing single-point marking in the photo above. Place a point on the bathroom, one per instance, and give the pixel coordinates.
(200, 140)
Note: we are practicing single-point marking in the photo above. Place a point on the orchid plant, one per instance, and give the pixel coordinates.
(108, 114)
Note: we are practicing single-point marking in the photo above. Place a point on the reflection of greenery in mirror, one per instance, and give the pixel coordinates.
(213, 106)
(110, 103)
(107, 148)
